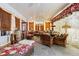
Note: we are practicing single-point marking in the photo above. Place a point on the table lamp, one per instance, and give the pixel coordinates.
(66, 26)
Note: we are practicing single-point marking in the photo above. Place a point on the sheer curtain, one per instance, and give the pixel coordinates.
(73, 37)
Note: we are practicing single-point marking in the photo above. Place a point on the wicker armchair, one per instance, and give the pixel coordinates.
(60, 40)
(46, 40)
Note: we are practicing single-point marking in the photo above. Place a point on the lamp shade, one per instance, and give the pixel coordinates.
(66, 26)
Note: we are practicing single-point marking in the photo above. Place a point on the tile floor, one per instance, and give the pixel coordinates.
(55, 50)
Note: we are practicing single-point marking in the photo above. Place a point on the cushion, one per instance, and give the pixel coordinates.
(28, 42)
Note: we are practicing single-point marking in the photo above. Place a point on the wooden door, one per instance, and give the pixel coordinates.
(24, 26)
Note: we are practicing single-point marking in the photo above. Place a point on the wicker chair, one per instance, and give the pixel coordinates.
(46, 40)
(60, 40)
